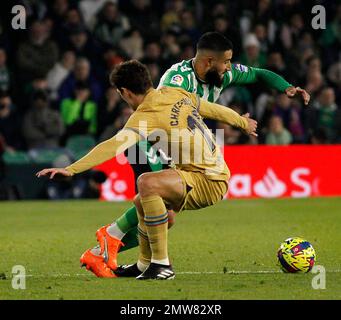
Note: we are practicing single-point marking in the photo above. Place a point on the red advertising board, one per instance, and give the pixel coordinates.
(120, 184)
(256, 171)
(284, 171)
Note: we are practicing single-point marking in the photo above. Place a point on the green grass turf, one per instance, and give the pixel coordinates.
(205, 246)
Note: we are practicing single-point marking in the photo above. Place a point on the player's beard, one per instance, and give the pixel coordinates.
(213, 77)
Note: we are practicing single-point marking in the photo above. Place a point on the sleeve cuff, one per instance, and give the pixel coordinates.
(244, 123)
(70, 170)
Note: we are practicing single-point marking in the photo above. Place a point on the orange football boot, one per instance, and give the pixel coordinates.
(96, 265)
(109, 247)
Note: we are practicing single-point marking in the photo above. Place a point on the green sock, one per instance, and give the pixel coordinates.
(128, 224)
(130, 240)
(127, 220)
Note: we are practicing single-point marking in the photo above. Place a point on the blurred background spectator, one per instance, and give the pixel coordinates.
(277, 134)
(37, 55)
(59, 72)
(253, 56)
(42, 126)
(54, 75)
(73, 42)
(9, 124)
(5, 76)
(325, 115)
(118, 123)
(111, 25)
(79, 112)
(80, 73)
(109, 109)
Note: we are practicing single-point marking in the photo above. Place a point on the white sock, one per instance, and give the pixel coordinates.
(141, 266)
(115, 231)
(163, 261)
(96, 250)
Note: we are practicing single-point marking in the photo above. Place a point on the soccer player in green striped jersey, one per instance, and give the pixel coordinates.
(208, 74)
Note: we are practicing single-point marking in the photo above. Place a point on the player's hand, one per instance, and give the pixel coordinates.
(52, 172)
(293, 91)
(252, 125)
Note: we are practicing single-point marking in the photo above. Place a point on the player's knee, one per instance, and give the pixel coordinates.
(137, 202)
(147, 184)
(140, 181)
(136, 199)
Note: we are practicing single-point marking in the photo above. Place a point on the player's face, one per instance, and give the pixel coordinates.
(219, 65)
(127, 96)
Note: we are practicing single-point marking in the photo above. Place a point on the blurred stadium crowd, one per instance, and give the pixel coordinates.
(54, 75)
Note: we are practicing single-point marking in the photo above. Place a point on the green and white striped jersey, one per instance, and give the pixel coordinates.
(182, 75)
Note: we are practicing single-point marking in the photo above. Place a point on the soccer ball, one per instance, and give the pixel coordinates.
(296, 255)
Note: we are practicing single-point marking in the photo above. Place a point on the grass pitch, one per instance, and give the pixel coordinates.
(224, 252)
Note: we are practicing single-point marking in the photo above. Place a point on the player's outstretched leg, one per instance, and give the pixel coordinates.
(94, 262)
(126, 224)
(130, 240)
(109, 245)
(110, 236)
(128, 270)
(113, 239)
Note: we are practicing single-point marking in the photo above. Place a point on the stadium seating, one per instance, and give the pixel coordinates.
(79, 145)
(47, 156)
(16, 157)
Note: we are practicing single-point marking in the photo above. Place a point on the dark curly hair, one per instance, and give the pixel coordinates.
(132, 75)
(214, 41)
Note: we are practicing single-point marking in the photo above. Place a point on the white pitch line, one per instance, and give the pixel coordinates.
(61, 275)
(244, 272)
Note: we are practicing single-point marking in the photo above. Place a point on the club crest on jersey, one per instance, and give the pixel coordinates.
(177, 79)
(241, 67)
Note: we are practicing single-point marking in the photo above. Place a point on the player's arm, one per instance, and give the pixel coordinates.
(240, 75)
(227, 115)
(99, 154)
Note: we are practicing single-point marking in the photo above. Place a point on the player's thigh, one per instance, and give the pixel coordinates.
(201, 192)
(165, 183)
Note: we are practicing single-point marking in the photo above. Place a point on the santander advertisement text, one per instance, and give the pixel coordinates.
(256, 172)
